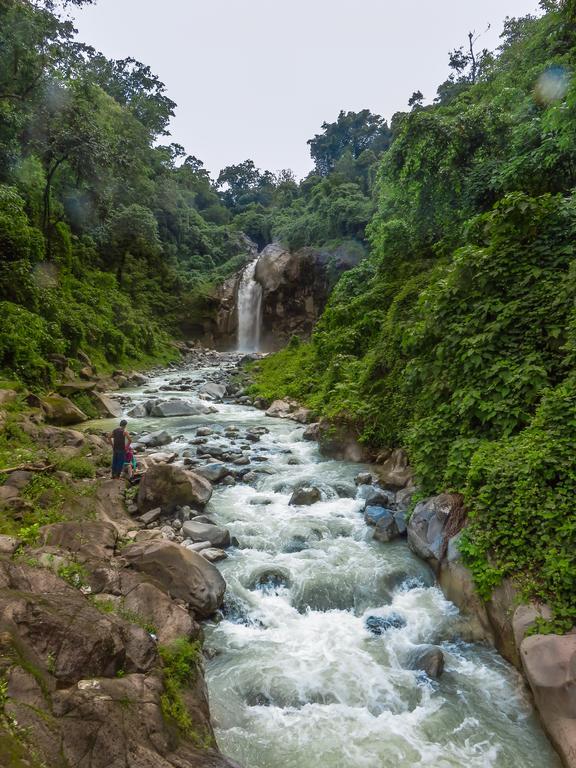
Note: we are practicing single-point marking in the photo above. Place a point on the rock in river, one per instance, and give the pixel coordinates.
(184, 574)
(179, 408)
(218, 536)
(384, 522)
(428, 658)
(155, 439)
(380, 624)
(305, 496)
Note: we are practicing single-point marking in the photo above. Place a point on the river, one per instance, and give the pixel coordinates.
(296, 679)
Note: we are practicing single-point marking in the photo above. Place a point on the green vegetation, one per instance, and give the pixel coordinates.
(110, 243)
(74, 574)
(456, 337)
(180, 662)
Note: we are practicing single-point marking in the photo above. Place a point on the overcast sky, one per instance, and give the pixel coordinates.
(256, 78)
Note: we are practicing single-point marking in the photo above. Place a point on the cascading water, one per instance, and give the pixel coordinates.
(249, 304)
(295, 677)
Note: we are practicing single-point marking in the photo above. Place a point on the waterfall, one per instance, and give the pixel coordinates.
(249, 305)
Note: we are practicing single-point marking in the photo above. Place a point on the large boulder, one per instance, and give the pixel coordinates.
(183, 573)
(170, 620)
(155, 439)
(281, 409)
(73, 638)
(218, 536)
(549, 663)
(88, 539)
(111, 723)
(427, 526)
(374, 496)
(169, 486)
(213, 472)
(164, 409)
(384, 523)
(106, 407)
(61, 411)
(339, 441)
(214, 390)
(305, 496)
(394, 468)
(428, 659)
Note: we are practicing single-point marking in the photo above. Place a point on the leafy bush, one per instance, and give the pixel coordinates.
(456, 338)
(180, 662)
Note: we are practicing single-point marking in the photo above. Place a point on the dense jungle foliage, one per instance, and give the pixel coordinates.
(456, 337)
(110, 241)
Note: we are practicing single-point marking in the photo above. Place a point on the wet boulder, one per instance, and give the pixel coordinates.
(426, 529)
(139, 411)
(169, 486)
(305, 496)
(213, 554)
(155, 439)
(216, 391)
(215, 450)
(198, 531)
(377, 625)
(213, 472)
(401, 523)
(383, 521)
(165, 409)
(428, 659)
(374, 496)
(363, 478)
(183, 573)
(271, 580)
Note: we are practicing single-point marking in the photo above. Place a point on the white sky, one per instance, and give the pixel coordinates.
(256, 78)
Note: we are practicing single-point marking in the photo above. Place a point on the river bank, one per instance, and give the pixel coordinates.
(314, 659)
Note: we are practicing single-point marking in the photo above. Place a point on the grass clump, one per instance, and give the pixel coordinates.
(180, 661)
(79, 467)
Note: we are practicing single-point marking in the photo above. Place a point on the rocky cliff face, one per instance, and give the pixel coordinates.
(296, 286)
(98, 620)
(548, 662)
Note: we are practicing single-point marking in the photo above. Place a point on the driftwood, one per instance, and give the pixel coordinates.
(28, 468)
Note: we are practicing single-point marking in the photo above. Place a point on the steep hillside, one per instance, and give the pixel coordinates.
(455, 339)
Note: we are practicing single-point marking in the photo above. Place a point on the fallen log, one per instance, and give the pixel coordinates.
(28, 468)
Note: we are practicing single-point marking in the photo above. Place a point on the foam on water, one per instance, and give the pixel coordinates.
(296, 679)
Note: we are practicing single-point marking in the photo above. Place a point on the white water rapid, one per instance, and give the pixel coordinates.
(249, 305)
(296, 679)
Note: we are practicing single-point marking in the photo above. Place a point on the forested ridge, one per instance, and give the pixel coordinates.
(112, 239)
(455, 339)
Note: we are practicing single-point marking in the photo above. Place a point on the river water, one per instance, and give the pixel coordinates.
(296, 680)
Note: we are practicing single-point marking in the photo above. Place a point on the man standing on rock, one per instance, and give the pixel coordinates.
(120, 441)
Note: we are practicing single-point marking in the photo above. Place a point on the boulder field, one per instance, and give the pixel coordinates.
(95, 614)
